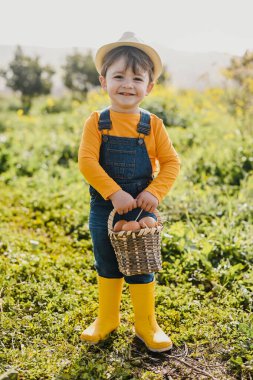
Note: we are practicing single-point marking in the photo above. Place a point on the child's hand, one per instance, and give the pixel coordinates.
(123, 202)
(147, 201)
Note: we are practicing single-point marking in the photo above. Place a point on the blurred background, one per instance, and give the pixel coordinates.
(195, 39)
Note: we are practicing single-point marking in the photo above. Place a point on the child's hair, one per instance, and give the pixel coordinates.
(135, 58)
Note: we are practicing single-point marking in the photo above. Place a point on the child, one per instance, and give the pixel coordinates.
(117, 156)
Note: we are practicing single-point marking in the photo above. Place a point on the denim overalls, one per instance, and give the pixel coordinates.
(125, 159)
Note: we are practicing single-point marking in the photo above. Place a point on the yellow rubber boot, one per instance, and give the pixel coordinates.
(109, 290)
(146, 327)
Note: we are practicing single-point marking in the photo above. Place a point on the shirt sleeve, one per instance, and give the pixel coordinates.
(169, 163)
(88, 159)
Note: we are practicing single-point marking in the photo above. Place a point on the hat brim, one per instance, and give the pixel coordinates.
(153, 55)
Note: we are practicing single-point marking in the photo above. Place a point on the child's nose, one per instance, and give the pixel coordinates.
(128, 83)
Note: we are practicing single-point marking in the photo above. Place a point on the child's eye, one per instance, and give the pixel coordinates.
(118, 76)
(138, 79)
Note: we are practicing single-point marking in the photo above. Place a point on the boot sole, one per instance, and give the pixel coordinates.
(89, 342)
(155, 349)
(97, 341)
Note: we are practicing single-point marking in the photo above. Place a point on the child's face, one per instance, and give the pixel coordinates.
(126, 89)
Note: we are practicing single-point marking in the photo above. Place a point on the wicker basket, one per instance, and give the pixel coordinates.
(137, 252)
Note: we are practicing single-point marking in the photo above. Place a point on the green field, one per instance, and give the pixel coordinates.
(48, 288)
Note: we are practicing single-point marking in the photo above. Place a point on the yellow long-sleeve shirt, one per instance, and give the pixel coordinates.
(158, 144)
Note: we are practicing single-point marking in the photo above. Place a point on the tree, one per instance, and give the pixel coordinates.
(240, 72)
(80, 74)
(165, 77)
(26, 76)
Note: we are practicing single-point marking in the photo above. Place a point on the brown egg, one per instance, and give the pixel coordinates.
(142, 224)
(148, 221)
(118, 225)
(131, 226)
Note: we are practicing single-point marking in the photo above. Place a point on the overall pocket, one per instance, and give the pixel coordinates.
(120, 163)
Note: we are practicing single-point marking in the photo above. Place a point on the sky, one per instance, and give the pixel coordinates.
(186, 25)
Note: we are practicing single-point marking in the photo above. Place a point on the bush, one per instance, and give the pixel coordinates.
(56, 105)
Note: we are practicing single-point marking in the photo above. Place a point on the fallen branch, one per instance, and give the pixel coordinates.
(200, 371)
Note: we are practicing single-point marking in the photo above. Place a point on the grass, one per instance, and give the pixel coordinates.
(48, 282)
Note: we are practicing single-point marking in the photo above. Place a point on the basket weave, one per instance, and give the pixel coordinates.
(137, 252)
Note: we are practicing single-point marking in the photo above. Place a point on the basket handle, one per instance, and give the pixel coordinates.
(113, 212)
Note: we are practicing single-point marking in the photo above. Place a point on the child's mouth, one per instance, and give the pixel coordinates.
(126, 94)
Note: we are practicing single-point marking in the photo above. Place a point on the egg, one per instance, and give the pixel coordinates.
(131, 226)
(143, 225)
(118, 225)
(148, 221)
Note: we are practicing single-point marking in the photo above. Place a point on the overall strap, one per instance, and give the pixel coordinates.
(104, 119)
(144, 124)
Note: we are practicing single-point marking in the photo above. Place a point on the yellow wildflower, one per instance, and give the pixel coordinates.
(20, 112)
(50, 102)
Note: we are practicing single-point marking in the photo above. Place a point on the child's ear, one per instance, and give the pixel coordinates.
(102, 81)
(149, 88)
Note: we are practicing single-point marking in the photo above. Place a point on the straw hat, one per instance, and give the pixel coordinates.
(130, 39)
